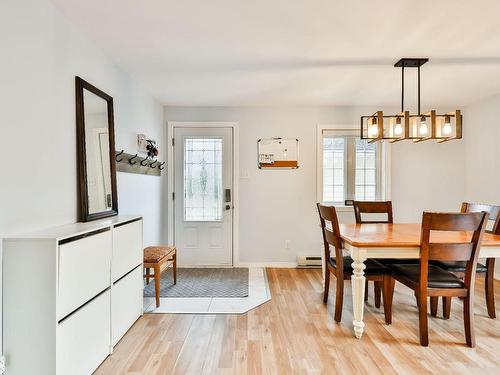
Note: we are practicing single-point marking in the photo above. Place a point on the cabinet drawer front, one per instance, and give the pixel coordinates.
(126, 303)
(83, 338)
(84, 271)
(127, 248)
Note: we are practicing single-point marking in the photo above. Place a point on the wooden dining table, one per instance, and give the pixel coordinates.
(402, 241)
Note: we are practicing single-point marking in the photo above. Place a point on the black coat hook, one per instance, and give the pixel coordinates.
(152, 165)
(130, 160)
(143, 160)
(116, 156)
(160, 166)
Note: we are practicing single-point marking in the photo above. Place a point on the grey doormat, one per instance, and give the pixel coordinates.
(202, 282)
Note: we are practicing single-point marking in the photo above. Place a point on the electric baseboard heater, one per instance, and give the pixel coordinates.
(308, 262)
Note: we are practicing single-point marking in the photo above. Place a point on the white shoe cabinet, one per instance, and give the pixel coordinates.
(69, 295)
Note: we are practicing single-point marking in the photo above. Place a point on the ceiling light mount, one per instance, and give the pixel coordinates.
(408, 62)
(417, 127)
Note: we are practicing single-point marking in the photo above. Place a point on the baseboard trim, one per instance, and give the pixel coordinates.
(205, 266)
(267, 264)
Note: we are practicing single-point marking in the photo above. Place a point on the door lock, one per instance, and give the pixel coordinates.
(228, 207)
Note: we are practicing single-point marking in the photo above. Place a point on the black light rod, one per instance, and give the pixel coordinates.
(418, 90)
(403, 88)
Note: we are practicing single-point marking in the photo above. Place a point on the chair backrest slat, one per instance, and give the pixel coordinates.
(372, 207)
(454, 222)
(473, 223)
(330, 236)
(450, 251)
(494, 212)
(325, 212)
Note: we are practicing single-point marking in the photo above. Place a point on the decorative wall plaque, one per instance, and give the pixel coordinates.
(278, 153)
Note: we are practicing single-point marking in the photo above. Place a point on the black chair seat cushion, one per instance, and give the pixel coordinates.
(372, 266)
(389, 261)
(437, 277)
(458, 266)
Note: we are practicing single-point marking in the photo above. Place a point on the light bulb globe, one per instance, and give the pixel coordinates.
(423, 128)
(398, 129)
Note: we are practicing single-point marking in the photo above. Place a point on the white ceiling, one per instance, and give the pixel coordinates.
(297, 52)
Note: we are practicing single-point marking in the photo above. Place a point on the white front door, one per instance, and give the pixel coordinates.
(203, 191)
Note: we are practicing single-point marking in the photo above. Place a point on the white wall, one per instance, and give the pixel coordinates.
(482, 139)
(40, 55)
(482, 166)
(427, 176)
(276, 206)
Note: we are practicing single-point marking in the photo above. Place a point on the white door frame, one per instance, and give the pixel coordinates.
(170, 177)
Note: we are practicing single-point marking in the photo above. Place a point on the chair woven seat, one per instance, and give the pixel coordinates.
(159, 258)
(153, 254)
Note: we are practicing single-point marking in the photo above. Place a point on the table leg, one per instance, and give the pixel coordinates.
(358, 290)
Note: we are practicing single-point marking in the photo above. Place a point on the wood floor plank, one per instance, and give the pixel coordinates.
(193, 353)
(295, 333)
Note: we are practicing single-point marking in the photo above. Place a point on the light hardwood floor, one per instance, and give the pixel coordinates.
(295, 333)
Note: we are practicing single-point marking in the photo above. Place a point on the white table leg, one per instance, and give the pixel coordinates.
(358, 290)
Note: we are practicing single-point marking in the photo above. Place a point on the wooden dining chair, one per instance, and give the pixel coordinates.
(341, 266)
(429, 280)
(372, 207)
(377, 207)
(487, 270)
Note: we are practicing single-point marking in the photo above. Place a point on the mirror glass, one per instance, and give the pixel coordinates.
(97, 161)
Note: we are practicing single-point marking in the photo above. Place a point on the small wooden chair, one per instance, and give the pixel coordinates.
(159, 258)
(341, 268)
(429, 280)
(487, 270)
(373, 207)
(377, 207)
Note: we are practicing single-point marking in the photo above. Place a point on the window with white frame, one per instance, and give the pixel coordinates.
(351, 168)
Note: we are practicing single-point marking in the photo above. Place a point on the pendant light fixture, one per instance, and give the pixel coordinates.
(417, 127)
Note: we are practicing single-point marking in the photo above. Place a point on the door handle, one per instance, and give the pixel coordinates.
(227, 197)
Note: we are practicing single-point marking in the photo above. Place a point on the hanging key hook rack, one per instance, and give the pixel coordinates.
(135, 163)
(133, 158)
(145, 160)
(117, 155)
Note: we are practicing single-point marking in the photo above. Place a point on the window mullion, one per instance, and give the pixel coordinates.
(350, 167)
(378, 173)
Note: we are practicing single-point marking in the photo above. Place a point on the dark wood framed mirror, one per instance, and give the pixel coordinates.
(96, 152)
